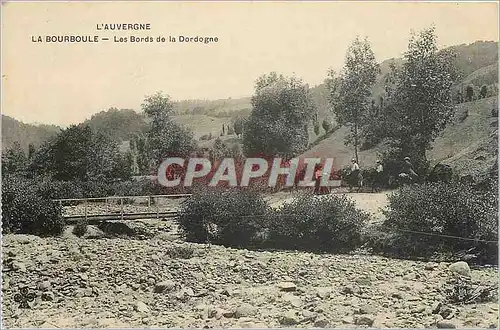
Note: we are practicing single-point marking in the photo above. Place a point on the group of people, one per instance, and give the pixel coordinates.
(406, 170)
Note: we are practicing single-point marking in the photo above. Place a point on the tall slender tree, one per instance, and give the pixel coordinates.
(350, 91)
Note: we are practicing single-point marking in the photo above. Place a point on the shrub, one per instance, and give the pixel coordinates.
(439, 209)
(93, 189)
(326, 125)
(329, 224)
(55, 189)
(228, 217)
(316, 128)
(27, 210)
(180, 252)
(80, 228)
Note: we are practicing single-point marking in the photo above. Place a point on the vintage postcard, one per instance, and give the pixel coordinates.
(249, 164)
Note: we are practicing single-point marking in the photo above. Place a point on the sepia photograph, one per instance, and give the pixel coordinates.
(249, 164)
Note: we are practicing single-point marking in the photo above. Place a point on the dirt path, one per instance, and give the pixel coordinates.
(368, 202)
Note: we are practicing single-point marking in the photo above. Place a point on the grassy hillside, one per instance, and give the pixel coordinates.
(470, 144)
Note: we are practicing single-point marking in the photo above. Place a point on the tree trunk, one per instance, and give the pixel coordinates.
(356, 142)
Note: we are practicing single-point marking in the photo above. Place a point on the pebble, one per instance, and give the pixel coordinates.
(445, 325)
(287, 286)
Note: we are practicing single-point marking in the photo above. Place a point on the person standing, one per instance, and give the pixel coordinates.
(379, 173)
(408, 169)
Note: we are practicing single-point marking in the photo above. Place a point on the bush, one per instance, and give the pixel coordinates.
(329, 224)
(80, 228)
(227, 217)
(27, 210)
(439, 209)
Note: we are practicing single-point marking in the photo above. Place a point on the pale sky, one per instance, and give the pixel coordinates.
(66, 83)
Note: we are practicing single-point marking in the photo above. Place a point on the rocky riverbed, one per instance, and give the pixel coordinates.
(164, 282)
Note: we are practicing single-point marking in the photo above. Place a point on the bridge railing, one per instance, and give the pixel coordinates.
(106, 206)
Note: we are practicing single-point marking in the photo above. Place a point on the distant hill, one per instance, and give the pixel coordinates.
(26, 134)
(477, 63)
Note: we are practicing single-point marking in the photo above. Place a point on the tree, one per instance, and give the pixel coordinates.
(350, 91)
(281, 109)
(469, 94)
(142, 156)
(316, 128)
(220, 150)
(327, 126)
(420, 101)
(223, 129)
(483, 91)
(14, 160)
(31, 151)
(165, 138)
(238, 126)
(78, 153)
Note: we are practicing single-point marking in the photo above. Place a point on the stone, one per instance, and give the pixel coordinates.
(245, 310)
(365, 309)
(164, 286)
(93, 232)
(445, 325)
(44, 286)
(446, 312)
(323, 293)
(460, 268)
(293, 300)
(141, 307)
(287, 286)
(321, 322)
(430, 266)
(348, 289)
(410, 277)
(18, 266)
(364, 320)
(289, 318)
(436, 307)
(348, 320)
(397, 295)
(48, 296)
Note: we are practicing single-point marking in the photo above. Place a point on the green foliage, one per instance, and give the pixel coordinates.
(221, 150)
(316, 128)
(80, 228)
(420, 99)
(469, 95)
(180, 252)
(439, 209)
(25, 134)
(78, 153)
(227, 217)
(350, 91)
(14, 160)
(330, 224)
(239, 123)
(327, 126)
(483, 91)
(27, 210)
(164, 137)
(119, 125)
(282, 108)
